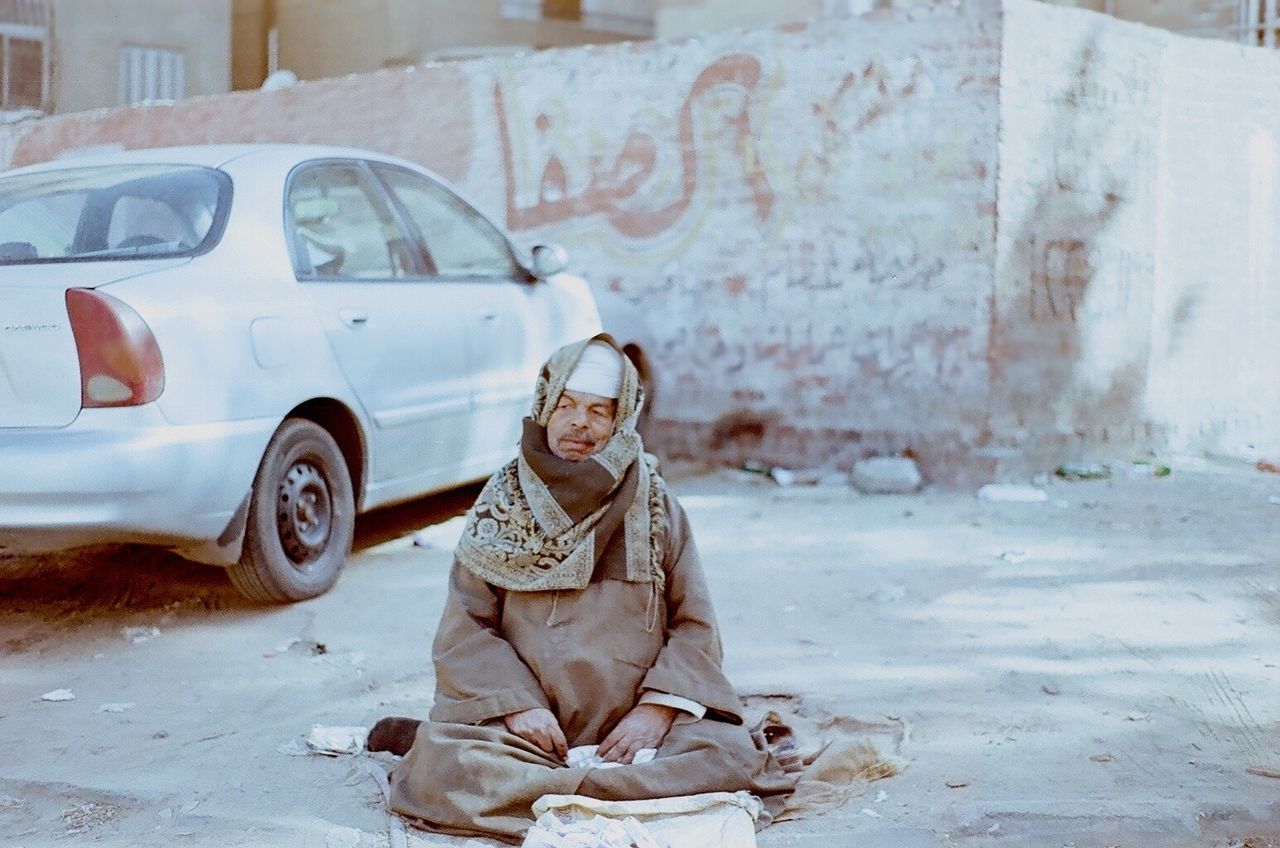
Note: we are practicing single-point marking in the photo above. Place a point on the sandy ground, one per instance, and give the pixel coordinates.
(1097, 670)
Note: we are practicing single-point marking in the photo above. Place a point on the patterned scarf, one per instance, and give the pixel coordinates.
(541, 522)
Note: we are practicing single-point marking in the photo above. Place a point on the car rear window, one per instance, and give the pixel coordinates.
(111, 212)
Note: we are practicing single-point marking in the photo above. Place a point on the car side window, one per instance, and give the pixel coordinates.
(341, 228)
(459, 241)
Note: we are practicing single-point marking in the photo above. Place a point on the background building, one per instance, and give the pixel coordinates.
(71, 55)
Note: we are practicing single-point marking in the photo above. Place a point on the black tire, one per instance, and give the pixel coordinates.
(301, 517)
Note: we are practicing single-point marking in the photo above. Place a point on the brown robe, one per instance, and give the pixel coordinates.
(587, 656)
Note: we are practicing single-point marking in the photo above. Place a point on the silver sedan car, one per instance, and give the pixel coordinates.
(232, 350)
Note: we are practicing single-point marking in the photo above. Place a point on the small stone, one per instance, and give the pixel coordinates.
(59, 695)
(887, 475)
(1049, 689)
(1102, 758)
(957, 784)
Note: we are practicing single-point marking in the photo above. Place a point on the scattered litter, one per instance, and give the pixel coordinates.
(443, 536)
(1102, 471)
(1082, 471)
(295, 747)
(783, 476)
(1049, 689)
(1012, 493)
(9, 802)
(995, 827)
(957, 784)
(85, 817)
(59, 695)
(1146, 469)
(1274, 499)
(299, 646)
(1269, 467)
(138, 635)
(1136, 716)
(585, 756)
(1262, 772)
(1014, 557)
(116, 708)
(870, 813)
(881, 796)
(1102, 758)
(332, 741)
(887, 475)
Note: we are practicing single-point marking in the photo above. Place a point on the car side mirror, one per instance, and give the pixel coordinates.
(548, 260)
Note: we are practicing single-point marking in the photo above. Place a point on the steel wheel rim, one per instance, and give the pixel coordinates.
(304, 513)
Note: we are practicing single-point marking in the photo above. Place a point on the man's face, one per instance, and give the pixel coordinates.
(580, 425)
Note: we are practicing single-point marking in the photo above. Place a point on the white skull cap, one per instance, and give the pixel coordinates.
(598, 372)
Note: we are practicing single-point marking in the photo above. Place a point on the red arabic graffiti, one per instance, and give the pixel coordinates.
(609, 188)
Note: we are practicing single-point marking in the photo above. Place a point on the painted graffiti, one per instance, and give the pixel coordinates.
(883, 356)
(1060, 279)
(616, 190)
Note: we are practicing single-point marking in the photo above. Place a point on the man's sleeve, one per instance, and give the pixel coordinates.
(664, 699)
(688, 666)
(479, 676)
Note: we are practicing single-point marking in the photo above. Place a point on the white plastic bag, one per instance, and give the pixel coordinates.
(585, 756)
(709, 820)
(596, 832)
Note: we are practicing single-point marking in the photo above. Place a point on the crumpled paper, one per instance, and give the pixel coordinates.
(336, 740)
(596, 832)
(585, 756)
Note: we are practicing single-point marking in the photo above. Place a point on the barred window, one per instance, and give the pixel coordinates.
(151, 73)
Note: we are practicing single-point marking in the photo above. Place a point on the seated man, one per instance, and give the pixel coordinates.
(577, 615)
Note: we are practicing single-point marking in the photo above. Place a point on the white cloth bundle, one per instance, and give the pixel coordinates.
(596, 832)
(710, 820)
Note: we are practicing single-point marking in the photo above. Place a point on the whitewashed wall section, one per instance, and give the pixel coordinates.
(1137, 274)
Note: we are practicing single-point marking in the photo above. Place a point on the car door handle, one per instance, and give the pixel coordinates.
(353, 317)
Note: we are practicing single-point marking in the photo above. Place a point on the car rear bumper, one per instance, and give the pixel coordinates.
(124, 475)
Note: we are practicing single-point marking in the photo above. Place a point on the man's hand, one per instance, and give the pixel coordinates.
(539, 727)
(644, 727)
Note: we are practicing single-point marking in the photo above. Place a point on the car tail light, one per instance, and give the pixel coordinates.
(120, 362)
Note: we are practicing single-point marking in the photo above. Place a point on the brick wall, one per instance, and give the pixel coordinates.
(803, 215)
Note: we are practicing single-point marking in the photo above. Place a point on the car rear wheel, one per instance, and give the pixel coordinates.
(301, 517)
